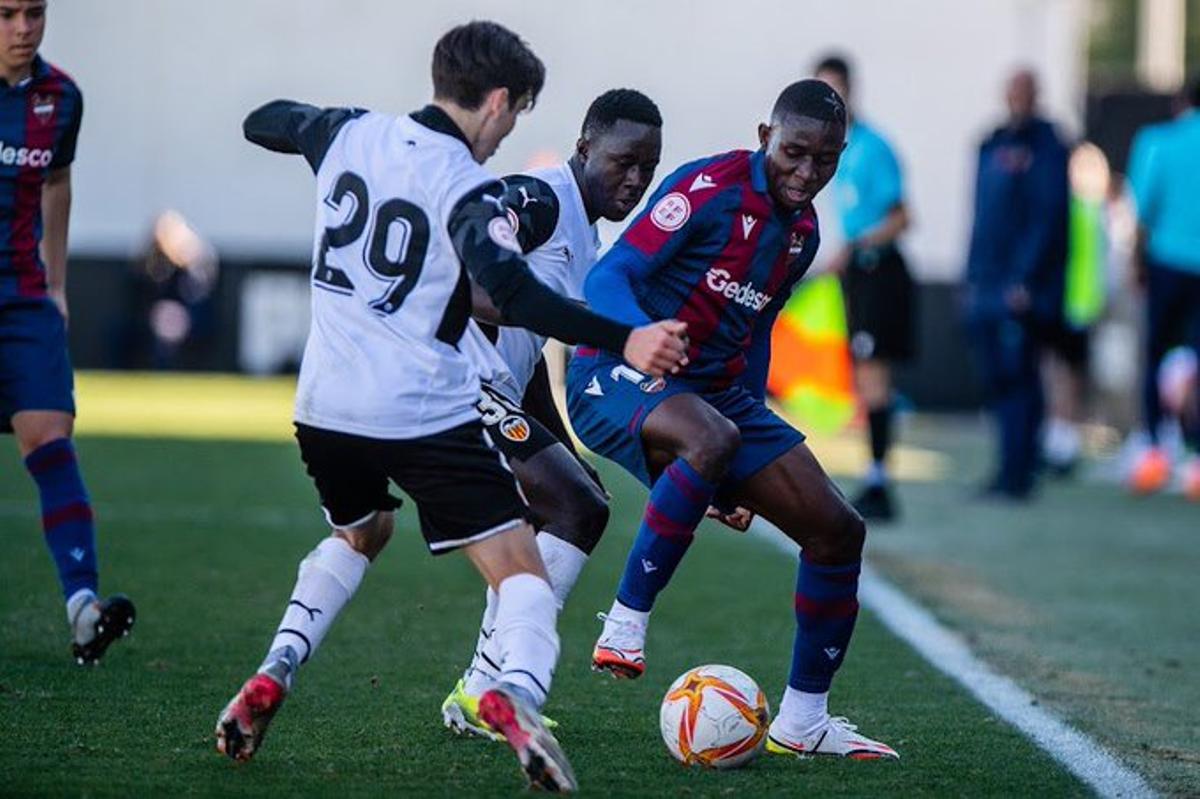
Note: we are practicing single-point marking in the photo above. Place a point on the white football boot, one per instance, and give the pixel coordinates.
(621, 648)
(837, 737)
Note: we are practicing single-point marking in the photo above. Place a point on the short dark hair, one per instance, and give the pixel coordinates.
(835, 63)
(617, 104)
(473, 59)
(810, 98)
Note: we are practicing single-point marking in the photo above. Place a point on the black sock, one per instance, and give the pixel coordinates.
(880, 420)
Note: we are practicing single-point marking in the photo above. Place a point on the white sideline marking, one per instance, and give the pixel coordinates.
(949, 654)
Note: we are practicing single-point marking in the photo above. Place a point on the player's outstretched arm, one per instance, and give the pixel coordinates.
(285, 126)
(484, 240)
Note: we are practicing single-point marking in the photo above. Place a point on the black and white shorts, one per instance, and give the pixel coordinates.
(463, 488)
(510, 429)
(880, 305)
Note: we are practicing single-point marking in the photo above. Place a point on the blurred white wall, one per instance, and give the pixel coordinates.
(167, 82)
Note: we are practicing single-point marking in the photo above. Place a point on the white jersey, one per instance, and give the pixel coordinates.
(386, 282)
(562, 263)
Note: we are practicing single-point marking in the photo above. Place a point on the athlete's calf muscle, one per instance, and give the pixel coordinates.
(500, 556)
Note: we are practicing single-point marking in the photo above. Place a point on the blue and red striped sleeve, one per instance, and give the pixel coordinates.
(673, 216)
(72, 99)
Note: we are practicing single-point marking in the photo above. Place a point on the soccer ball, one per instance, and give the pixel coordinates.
(714, 716)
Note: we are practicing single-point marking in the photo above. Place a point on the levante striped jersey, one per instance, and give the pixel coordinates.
(713, 250)
(39, 125)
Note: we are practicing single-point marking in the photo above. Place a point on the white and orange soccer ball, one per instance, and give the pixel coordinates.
(714, 716)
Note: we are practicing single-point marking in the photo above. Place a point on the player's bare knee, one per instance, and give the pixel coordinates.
(34, 430)
(371, 537)
(578, 514)
(711, 453)
(588, 519)
(853, 536)
(840, 540)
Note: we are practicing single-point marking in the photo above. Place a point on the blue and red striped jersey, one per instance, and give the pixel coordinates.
(39, 125)
(713, 250)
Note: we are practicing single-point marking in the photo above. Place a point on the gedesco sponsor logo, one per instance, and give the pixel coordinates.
(743, 294)
(23, 156)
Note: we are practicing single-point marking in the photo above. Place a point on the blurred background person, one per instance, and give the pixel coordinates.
(868, 196)
(1015, 276)
(1066, 339)
(1165, 180)
(170, 314)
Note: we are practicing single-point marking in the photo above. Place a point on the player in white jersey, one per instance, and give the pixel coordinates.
(555, 211)
(407, 219)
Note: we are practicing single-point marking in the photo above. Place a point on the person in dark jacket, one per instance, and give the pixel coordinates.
(1015, 275)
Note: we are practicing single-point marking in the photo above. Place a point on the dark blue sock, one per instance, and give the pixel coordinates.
(826, 608)
(677, 504)
(66, 514)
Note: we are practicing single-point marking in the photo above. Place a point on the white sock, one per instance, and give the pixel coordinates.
(877, 475)
(619, 612)
(76, 602)
(485, 663)
(1061, 441)
(82, 623)
(800, 713)
(525, 629)
(563, 561)
(325, 582)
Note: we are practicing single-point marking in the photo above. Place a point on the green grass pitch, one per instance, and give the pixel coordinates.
(206, 536)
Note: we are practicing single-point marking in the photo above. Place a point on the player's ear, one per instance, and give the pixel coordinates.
(764, 134)
(581, 149)
(496, 101)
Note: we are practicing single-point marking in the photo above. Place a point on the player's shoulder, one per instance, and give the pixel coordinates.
(705, 184)
(536, 187)
(1049, 134)
(1147, 138)
(873, 139)
(534, 204)
(713, 172)
(48, 75)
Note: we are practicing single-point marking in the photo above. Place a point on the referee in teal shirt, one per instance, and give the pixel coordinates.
(868, 192)
(1165, 178)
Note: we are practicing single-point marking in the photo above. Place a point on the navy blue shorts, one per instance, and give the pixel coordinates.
(608, 402)
(35, 367)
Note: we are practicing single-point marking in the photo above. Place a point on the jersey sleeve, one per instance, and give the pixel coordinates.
(534, 209)
(657, 235)
(285, 126)
(486, 243)
(64, 153)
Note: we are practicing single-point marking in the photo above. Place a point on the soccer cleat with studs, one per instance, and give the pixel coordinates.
(244, 721)
(505, 710)
(460, 714)
(99, 624)
(837, 737)
(621, 648)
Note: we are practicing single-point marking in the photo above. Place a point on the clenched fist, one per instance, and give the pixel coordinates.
(658, 349)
